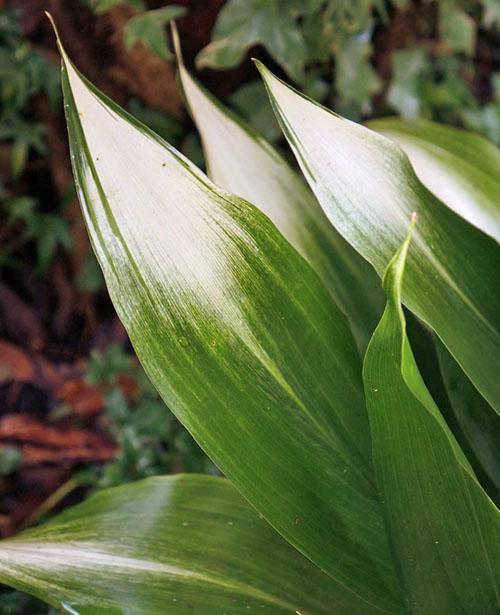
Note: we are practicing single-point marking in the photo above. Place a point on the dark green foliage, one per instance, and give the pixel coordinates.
(329, 49)
(23, 73)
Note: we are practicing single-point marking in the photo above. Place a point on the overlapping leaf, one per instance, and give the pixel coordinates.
(243, 162)
(444, 529)
(178, 544)
(241, 339)
(461, 168)
(368, 189)
(473, 421)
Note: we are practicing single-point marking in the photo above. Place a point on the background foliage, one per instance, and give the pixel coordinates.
(66, 367)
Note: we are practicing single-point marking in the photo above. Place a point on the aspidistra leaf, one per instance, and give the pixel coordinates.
(368, 189)
(243, 162)
(460, 167)
(444, 530)
(473, 421)
(239, 336)
(180, 544)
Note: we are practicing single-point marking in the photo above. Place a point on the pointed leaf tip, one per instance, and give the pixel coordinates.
(261, 67)
(213, 295)
(443, 566)
(368, 189)
(176, 42)
(393, 275)
(58, 37)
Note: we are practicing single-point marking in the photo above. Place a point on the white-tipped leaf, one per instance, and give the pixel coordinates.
(461, 168)
(243, 162)
(241, 339)
(368, 189)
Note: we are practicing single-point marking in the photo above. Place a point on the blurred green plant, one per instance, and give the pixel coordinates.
(327, 49)
(146, 27)
(149, 29)
(150, 439)
(24, 72)
(304, 38)
(10, 458)
(48, 231)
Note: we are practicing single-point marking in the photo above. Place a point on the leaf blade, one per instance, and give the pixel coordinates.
(477, 428)
(368, 189)
(459, 167)
(192, 542)
(241, 312)
(242, 161)
(444, 529)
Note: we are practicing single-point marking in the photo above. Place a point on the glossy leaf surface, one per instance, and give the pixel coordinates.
(369, 190)
(243, 162)
(461, 168)
(180, 544)
(444, 529)
(239, 336)
(477, 425)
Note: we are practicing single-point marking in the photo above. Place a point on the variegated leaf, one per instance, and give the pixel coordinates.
(240, 337)
(243, 162)
(461, 168)
(368, 189)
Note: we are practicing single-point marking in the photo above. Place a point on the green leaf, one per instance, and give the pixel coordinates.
(444, 529)
(368, 189)
(487, 119)
(491, 15)
(149, 29)
(10, 459)
(459, 167)
(473, 421)
(19, 157)
(405, 91)
(239, 336)
(251, 102)
(181, 544)
(241, 24)
(458, 29)
(50, 231)
(242, 161)
(355, 78)
(103, 6)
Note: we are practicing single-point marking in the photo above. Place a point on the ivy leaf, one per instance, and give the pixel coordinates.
(355, 79)
(404, 92)
(149, 29)
(244, 23)
(457, 28)
(487, 119)
(103, 6)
